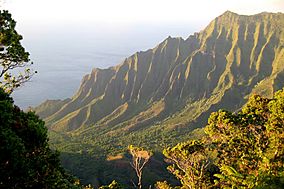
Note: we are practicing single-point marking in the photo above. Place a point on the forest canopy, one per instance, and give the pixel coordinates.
(240, 150)
(26, 160)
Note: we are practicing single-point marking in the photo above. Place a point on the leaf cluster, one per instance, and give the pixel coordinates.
(13, 57)
(240, 150)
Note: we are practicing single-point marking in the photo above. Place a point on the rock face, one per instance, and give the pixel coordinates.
(179, 81)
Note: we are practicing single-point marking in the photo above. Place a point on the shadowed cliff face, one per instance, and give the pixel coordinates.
(179, 81)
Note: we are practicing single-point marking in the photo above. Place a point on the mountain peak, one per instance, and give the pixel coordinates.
(232, 53)
(228, 12)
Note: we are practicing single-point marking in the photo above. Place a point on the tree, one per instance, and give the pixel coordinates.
(26, 160)
(250, 144)
(139, 159)
(240, 150)
(191, 164)
(14, 60)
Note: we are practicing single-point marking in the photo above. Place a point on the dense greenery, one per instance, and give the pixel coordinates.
(26, 160)
(88, 156)
(240, 150)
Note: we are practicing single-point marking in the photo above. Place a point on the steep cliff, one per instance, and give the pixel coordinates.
(219, 67)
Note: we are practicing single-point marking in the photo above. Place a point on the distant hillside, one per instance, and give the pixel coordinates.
(231, 58)
(155, 97)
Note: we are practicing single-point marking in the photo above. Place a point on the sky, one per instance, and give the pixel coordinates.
(115, 17)
(125, 12)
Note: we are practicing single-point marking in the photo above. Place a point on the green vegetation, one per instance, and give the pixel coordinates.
(239, 150)
(112, 185)
(13, 57)
(26, 160)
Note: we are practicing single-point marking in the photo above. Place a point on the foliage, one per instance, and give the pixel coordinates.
(192, 166)
(13, 56)
(112, 185)
(240, 150)
(26, 160)
(163, 185)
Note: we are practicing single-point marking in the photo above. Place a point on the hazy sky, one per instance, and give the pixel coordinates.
(133, 11)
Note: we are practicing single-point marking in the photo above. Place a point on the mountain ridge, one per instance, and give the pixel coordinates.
(162, 96)
(220, 65)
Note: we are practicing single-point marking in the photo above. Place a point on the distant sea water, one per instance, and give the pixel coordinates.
(62, 58)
